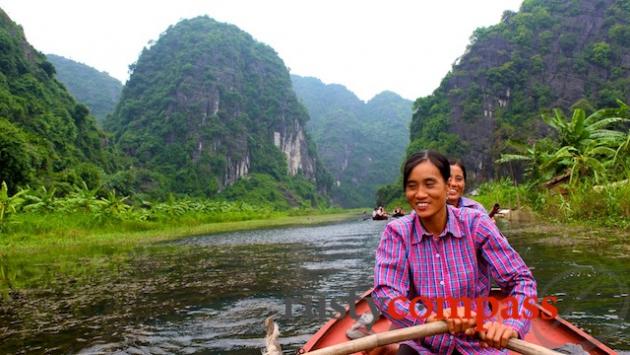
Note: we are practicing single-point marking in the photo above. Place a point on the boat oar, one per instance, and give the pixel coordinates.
(418, 331)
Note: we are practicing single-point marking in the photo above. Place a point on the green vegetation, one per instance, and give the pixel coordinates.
(97, 90)
(278, 194)
(539, 58)
(578, 173)
(361, 144)
(206, 105)
(95, 229)
(585, 148)
(46, 137)
(606, 205)
(581, 175)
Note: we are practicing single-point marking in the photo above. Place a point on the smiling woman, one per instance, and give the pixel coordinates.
(425, 182)
(442, 251)
(457, 186)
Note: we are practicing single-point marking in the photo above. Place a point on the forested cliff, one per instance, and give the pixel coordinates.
(551, 54)
(361, 144)
(46, 137)
(97, 90)
(206, 105)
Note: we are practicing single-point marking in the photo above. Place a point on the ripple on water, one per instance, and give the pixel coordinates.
(309, 235)
(236, 325)
(340, 264)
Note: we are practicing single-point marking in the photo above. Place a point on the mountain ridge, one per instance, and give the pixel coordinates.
(96, 89)
(361, 143)
(206, 105)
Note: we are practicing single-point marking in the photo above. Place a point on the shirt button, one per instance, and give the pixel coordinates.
(437, 255)
(442, 283)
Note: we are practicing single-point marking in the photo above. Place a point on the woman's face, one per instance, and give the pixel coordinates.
(426, 190)
(456, 185)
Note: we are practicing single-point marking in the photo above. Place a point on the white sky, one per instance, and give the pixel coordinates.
(406, 46)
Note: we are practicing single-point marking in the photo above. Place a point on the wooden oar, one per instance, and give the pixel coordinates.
(418, 331)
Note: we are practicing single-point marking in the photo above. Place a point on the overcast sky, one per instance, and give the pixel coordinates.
(406, 46)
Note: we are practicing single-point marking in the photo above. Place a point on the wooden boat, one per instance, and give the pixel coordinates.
(552, 333)
(380, 217)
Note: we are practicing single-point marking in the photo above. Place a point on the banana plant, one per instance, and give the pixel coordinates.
(111, 208)
(81, 199)
(539, 160)
(9, 204)
(587, 148)
(41, 200)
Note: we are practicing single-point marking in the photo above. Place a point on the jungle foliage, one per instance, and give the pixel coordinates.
(46, 137)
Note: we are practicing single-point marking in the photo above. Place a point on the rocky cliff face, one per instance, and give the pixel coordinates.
(551, 54)
(208, 101)
(292, 142)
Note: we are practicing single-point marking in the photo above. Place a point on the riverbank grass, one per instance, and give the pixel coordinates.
(43, 248)
(603, 205)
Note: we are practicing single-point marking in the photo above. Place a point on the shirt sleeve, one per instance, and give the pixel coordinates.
(508, 269)
(481, 208)
(391, 279)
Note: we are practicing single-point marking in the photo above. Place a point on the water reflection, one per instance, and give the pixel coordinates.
(211, 294)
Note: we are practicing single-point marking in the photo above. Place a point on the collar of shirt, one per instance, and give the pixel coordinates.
(465, 202)
(452, 228)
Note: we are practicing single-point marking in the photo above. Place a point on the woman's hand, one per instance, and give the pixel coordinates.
(496, 335)
(456, 320)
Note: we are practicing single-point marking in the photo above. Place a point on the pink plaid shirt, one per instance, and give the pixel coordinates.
(468, 254)
(470, 203)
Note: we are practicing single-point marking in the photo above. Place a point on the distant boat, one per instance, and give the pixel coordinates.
(379, 217)
(552, 333)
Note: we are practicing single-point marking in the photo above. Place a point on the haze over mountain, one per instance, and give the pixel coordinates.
(207, 105)
(97, 90)
(45, 135)
(361, 144)
(551, 54)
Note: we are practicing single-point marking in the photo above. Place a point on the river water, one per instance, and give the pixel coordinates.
(210, 295)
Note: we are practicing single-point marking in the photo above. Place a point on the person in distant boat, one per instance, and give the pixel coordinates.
(379, 214)
(439, 251)
(398, 212)
(457, 186)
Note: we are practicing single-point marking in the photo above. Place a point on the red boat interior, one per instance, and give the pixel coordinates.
(551, 333)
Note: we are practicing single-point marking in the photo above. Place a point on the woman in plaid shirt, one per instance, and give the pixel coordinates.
(440, 251)
(457, 186)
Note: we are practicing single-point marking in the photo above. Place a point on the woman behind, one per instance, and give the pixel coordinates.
(457, 186)
(441, 251)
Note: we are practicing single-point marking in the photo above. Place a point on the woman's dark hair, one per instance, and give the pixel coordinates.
(460, 164)
(434, 157)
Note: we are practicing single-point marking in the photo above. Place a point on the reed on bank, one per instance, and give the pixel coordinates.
(600, 205)
(41, 246)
